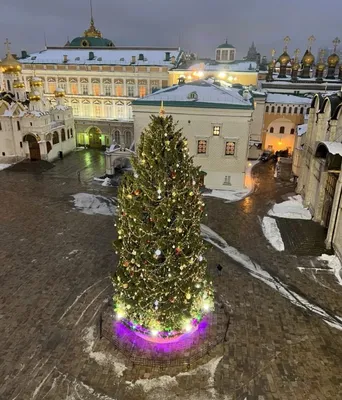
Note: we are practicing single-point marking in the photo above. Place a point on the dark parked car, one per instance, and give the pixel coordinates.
(266, 155)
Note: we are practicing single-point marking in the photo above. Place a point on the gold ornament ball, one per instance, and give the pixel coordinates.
(188, 296)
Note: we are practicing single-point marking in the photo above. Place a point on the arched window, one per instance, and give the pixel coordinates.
(63, 135)
(68, 134)
(55, 138)
(48, 147)
(278, 110)
(267, 108)
(117, 137)
(271, 129)
(302, 110)
(282, 129)
(128, 138)
(272, 109)
(295, 110)
(292, 131)
(284, 110)
(290, 110)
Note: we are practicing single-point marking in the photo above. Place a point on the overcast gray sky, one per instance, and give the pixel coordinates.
(197, 25)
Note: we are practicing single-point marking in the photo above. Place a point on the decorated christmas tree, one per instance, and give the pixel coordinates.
(161, 287)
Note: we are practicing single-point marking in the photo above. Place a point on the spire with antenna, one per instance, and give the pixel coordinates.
(91, 12)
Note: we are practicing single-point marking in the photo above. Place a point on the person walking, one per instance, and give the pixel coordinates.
(219, 269)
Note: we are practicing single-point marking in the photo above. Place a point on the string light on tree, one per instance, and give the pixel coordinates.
(161, 288)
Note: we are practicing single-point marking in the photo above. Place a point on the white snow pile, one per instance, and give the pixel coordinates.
(107, 182)
(91, 204)
(202, 378)
(334, 264)
(230, 195)
(100, 357)
(4, 166)
(257, 272)
(292, 208)
(272, 233)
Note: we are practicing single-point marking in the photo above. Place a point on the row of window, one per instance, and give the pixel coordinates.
(102, 111)
(286, 110)
(229, 148)
(282, 130)
(55, 135)
(18, 126)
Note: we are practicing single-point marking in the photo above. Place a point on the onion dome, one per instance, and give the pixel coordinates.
(10, 65)
(284, 59)
(333, 60)
(295, 66)
(59, 92)
(308, 59)
(18, 85)
(35, 96)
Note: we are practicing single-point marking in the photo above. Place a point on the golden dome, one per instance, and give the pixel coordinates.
(35, 96)
(59, 92)
(284, 59)
(333, 60)
(308, 59)
(36, 82)
(10, 65)
(296, 66)
(320, 66)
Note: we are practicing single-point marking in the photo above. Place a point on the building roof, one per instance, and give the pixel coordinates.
(199, 94)
(332, 147)
(287, 99)
(84, 41)
(108, 56)
(225, 45)
(212, 65)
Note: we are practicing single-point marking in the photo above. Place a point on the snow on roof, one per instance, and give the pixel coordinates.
(333, 147)
(301, 129)
(287, 99)
(240, 66)
(111, 56)
(202, 91)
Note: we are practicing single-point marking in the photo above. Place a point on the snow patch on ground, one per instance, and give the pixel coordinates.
(236, 194)
(107, 182)
(257, 272)
(334, 264)
(91, 204)
(4, 166)
(158, 388)
(101, 358)
(272, 233)
(292, 208)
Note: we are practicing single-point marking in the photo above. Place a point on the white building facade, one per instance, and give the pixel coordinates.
(215, 122)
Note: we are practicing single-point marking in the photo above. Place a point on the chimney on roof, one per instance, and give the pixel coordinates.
(23, 54)
(167, 56)
(91, 55)
(133, 59)
(65, 58)
(141, 57)
(173, 60)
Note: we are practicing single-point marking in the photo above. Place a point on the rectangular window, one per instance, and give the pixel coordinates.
(75, 108)
(227, 180)
(218, 55)
(108, 111)
(62, 85)
(73, 88)
(86, 110)
(18, 125)
(224, 55)
(120, 110)
(52, 87)
(230, 149)
(97, 110)
(142, 91)
(84, 88)
(96, 89)
(201, 147)
(118, 90)
(21, 144)
(231, 55)
(130, 90)
(108, 90)
(216, 130)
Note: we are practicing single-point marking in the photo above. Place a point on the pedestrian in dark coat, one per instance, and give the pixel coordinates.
(219, 269)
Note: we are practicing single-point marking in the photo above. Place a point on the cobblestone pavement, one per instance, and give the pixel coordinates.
(55, 263)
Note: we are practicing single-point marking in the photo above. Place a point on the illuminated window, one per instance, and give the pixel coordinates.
(96, 89)
(73, 88)
(216, 130)
(52, 87)
(118, 90)
(142, 91)
(282, 129)
(230, 149)
(201, 147)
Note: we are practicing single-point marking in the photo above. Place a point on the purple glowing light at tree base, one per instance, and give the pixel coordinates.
(158, 344)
